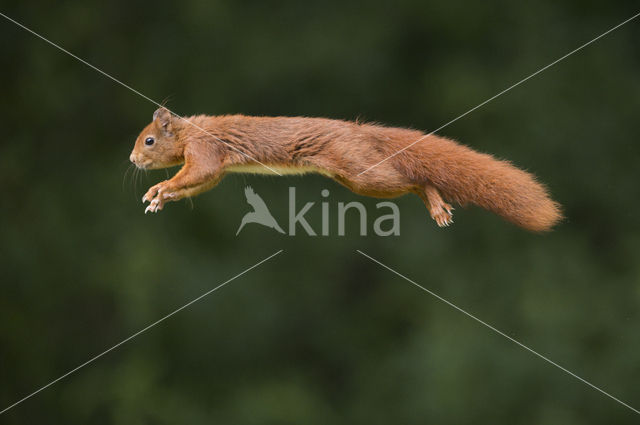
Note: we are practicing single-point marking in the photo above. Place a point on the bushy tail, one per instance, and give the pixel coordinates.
(465, 176)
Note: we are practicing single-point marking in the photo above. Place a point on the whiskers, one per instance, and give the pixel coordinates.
(126, 173)
(189, 200)
(134, 178)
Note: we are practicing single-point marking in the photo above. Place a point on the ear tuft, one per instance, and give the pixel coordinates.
(162, 118)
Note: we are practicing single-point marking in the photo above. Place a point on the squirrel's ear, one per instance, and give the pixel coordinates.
(162, 118)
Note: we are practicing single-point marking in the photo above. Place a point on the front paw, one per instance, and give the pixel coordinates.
(154, 206)
(157, 196)
(152, 192)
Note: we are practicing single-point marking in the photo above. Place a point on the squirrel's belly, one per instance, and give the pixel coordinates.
(282, 169)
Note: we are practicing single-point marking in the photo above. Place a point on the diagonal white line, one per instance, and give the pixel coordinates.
(499, 332)
(504, 91)
(138, 333)
(135, 91)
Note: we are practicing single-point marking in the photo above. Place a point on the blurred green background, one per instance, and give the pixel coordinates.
(319, 334)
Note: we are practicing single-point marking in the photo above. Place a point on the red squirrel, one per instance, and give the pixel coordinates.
(363, 157)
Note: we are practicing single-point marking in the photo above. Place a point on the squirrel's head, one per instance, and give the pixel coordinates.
(157, 145)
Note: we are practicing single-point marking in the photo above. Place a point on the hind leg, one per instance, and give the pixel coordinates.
(440, 211)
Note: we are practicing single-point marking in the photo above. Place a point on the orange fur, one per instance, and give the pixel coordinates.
(432, 168)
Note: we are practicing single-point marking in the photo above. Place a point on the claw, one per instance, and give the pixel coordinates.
(151, 193)
(443, 219)
(147, 197)
(153, 207)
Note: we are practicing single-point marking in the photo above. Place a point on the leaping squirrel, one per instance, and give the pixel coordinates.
(369, 159)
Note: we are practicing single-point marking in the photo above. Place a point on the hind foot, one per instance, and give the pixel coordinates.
(442, 214)
(440, 211)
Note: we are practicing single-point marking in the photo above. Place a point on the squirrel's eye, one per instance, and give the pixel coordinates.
(149, 141)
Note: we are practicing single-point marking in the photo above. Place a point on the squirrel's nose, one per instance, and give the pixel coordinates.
(132, 158)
